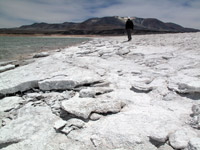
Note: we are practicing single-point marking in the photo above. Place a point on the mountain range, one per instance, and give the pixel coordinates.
(100, 26)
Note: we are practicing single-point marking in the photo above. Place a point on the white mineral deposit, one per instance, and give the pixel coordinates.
(106, 94)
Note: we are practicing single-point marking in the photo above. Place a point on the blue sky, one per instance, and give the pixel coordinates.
(14, 13)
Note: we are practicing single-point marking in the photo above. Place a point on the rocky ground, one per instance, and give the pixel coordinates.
(106, 94)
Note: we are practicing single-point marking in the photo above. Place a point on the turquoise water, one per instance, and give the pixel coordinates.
(14, 47)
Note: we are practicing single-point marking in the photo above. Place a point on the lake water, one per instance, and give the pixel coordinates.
(14, 47)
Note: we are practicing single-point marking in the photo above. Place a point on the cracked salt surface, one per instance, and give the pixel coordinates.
(106, 94)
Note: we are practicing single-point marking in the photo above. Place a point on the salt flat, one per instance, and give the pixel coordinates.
(106, 93)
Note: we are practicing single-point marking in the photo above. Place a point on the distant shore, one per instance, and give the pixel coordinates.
(51, 35)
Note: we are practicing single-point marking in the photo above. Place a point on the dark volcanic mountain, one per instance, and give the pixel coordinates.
(106, 25)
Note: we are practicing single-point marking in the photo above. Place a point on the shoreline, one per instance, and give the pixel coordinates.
(28, 58)
(25, 59)
(51, 35)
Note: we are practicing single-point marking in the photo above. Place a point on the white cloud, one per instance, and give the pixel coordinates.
(19, 12)
(47, 11)
(9, 23)
(165, 10)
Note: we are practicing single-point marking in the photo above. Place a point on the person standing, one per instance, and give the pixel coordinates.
(129, 28)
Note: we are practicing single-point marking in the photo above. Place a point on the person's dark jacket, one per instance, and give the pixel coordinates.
(129, 24)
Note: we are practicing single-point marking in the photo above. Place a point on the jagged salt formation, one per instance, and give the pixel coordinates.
(106, 94)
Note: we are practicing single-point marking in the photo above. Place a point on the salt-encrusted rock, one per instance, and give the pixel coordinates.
(56, 108)
(24, 86)
(83, 107)
(31, 122)
(95, 116)
(24, 78)
(198, 122)
(67, 130)
(83, 53)
(66, 83)
(7, 67)
(53, 97)
(180, 138)
(33, 96)
(145, 146)
(141, 88)
(102, 84)
(7, 63)
(195, 120)
(71, 124)
(194, 144)
(196, 109)
(165, 147)
(123, 51)
(105, 52)
(9, 141)
(184, 84)
(159, 136)
(42, 54)
(58, 50)
(87, 93)
(92, 92)
(75, 122)
(131, 97)
(57, 83)
(170, 96)
(189, 87)
(59, 124)
(9, 103)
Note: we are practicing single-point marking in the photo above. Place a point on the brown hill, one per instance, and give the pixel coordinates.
(106, 25)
